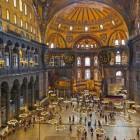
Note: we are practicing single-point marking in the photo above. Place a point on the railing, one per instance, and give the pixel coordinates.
(15, 71)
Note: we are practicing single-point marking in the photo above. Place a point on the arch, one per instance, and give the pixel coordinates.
(81, 37)
(118, 36)
(57, 40)
(4, 103)
(37, 88)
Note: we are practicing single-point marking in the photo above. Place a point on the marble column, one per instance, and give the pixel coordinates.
(7, 105)
(32, 94)
(17, 102)
(28, 51)
(11, 56)
(26, 94)
(18, 58)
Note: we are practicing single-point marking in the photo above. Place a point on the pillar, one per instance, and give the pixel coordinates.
(26, 94)
(32, 94)
(11, 56)
(17, 103)
(18, 58)
(7, 105)
(28, 58)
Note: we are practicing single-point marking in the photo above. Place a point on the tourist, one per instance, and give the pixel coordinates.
(138, 132)
(70, 128)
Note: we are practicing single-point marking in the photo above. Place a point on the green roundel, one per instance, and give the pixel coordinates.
(69, 58)
(104, 56)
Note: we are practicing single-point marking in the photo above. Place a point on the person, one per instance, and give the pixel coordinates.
(91, 130)
(70, 128)
(138, 132)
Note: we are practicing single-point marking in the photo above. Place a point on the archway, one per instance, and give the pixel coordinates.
(4, 101)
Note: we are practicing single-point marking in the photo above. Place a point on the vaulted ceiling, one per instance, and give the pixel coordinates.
(93, 14)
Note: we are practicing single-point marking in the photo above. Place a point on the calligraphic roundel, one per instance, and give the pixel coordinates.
(104, 56)
(69, 58)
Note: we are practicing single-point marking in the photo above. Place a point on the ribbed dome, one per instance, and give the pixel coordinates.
(92, 15)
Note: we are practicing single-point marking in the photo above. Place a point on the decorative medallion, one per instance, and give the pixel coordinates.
(69, 38)
(69, 58)
(103, 37)
(47, 57)
(104, 56)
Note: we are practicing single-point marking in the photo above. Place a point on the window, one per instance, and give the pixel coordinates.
(20, 5)
(118, 58)
(25, 8)
(15, 3)
(59, 26)
(118, 73)
(27, 36)
(52, 45)
(78, 74)
(0, 26)
(71, 28)
(30, 16)
(34, 31)
(21, 22)
(96, 75)
(78, 61)
(95, 61)
(26, 26)
(123, 42)
(87, 61)
(117, 42)
(113, 22)
(101, 26)
(87, 74)
(15, 59)
(86, 28)
(31, 29)
(15, 19)
(7, 15)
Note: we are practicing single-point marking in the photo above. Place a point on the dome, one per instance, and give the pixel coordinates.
(86, 16)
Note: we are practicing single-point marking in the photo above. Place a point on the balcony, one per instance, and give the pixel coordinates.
(16, 71)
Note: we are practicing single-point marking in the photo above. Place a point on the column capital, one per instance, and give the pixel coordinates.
(11, 47)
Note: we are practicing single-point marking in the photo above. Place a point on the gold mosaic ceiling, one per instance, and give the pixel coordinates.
(94, 15)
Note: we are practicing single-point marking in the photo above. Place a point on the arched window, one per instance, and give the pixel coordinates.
(7, 15)
(15, 19)
(52, 45)
(87, 61)
(0, 26)
(25, 8)
(95, 61)
(78, 61)
(15, 3)
(31, 29)
(20, 5)
(87, 74)
(26, 26)
(78, 74)
(116, 42)
(118, 73)
(21, 22)
(118, 58)
(96, 75)
(119, 78)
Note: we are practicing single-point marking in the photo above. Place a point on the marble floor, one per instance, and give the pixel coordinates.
(46, 131)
